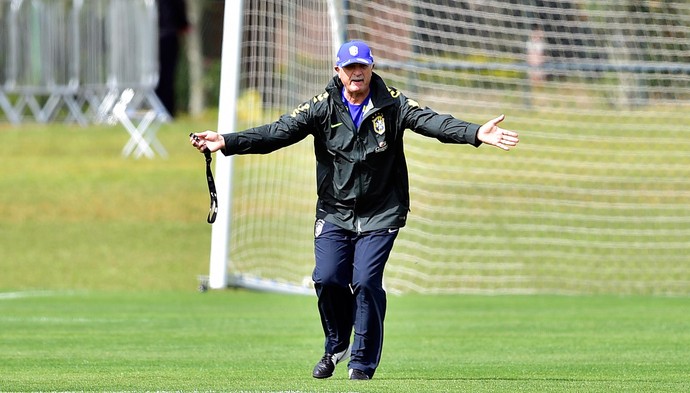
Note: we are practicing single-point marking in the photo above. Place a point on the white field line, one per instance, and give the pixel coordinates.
(27, 294)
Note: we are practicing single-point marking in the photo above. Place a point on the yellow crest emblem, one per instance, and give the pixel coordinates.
(379, 125)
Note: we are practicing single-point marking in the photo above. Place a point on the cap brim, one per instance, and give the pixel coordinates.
(355, 61)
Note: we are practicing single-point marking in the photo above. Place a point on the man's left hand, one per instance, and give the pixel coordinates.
(491, 134)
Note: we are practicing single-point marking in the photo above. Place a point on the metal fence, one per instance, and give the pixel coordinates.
(76, 60)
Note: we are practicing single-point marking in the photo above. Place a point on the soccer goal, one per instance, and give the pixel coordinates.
(596, 199)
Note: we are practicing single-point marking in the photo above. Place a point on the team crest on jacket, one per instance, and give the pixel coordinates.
(379, 125)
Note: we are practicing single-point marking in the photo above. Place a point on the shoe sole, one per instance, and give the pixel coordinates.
(344, 355)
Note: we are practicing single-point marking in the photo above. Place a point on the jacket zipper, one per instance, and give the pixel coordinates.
(360, 153)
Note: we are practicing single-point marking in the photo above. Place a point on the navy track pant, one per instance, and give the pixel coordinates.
(348, 279)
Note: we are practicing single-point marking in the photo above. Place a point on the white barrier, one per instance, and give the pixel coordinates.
(39, 58)
(76, 60)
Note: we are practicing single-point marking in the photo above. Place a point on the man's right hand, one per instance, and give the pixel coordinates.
(210, 140)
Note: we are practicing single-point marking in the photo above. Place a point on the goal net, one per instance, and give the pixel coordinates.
(596, 199)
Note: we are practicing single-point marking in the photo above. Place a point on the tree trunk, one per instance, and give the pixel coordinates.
(195, 59)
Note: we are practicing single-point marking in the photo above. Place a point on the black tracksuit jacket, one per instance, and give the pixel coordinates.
(361, 174)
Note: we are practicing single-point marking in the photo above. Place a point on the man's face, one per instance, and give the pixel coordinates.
(355, 78)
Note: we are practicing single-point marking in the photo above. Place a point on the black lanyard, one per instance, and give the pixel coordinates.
(213, 209)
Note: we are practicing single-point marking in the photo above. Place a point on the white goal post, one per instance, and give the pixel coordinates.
(594, 200)
(230, 63)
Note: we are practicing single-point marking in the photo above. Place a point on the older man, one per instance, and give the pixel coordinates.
(357, 125)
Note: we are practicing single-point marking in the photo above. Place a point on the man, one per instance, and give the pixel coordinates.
(363, 197)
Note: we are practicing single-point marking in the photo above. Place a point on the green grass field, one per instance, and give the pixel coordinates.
(243, 341)
(75, 214)
(99, 257)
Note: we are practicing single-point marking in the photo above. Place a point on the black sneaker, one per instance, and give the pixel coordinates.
(325, 367)
(358, 375)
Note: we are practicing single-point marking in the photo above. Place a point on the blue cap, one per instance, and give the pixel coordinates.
(354, 52)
